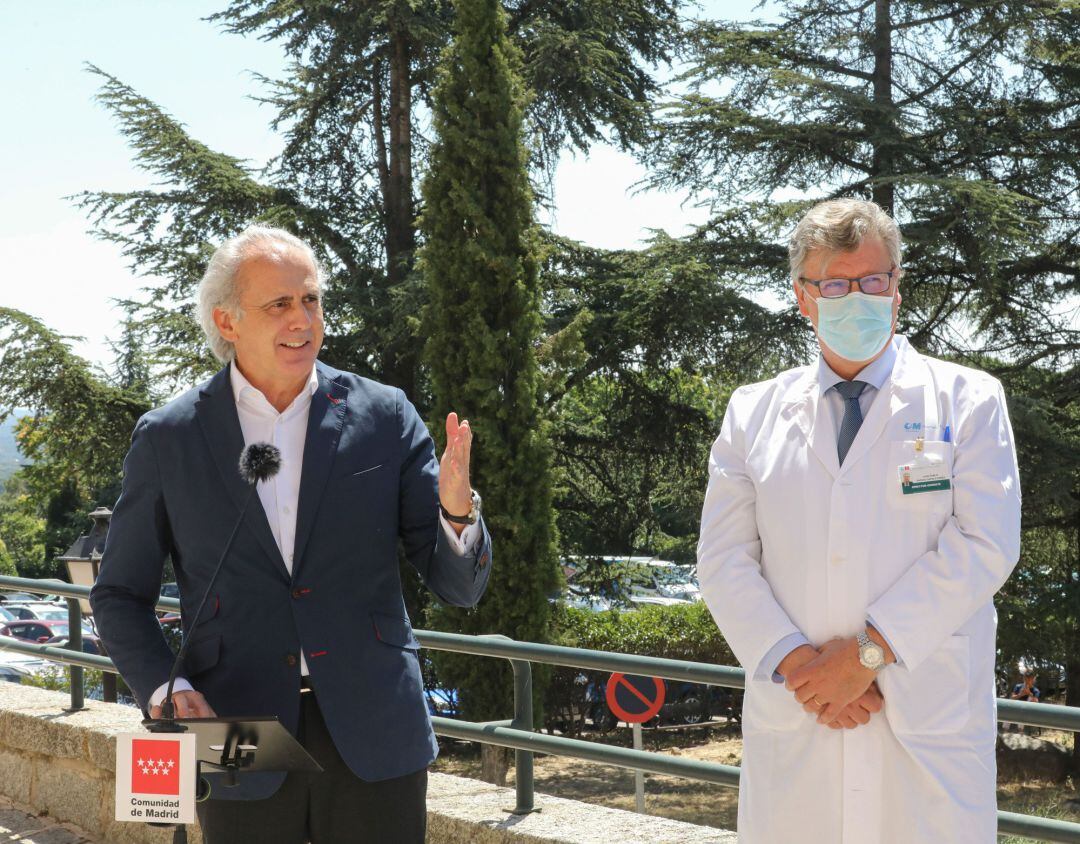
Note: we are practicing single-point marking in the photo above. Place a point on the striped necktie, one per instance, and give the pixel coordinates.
(849, 427)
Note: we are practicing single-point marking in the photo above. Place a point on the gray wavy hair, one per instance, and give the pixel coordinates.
(218, 288)
(840, 225)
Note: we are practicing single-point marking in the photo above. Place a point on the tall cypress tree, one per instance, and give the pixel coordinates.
(480, 262)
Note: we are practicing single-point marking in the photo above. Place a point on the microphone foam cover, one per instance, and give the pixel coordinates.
(259, 462)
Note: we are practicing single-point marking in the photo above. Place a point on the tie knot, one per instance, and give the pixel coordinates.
(850, 389)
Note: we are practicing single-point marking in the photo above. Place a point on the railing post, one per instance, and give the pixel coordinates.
(75, 644)
(523, 720)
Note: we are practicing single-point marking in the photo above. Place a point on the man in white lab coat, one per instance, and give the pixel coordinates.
(861, 513)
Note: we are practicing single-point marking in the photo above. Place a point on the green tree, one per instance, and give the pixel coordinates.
(960, 117)
(22, 533)
(483, 322)
(75, 439)
(1039, 607)
(353, 116)
(7, 564)
(642, 350)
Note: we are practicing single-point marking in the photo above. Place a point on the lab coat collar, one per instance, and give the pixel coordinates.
(874, 374)
(805, 406)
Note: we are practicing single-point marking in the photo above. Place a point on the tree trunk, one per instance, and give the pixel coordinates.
(883, 163)
(395, 179)
(494, 763)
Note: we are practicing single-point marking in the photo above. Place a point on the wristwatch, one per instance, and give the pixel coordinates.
(469, 518)
(871, 654)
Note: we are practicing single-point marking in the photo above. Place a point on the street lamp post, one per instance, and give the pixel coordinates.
(83, 561)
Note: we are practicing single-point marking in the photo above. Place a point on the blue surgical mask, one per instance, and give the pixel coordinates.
(856, 326)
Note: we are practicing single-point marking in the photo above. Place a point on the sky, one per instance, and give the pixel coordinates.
(58, 141)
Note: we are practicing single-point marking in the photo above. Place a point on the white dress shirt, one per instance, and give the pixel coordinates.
(287, 431)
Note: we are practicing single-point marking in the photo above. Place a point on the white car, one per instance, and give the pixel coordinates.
(38, 611)
(19, 665)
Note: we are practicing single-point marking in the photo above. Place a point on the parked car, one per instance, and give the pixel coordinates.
(35, 630)
(6, 616)
(582, 600)
(38, 610)
(21, 611)
(16, 597)
(12, 673)
(677, 582)
(90, 644)
(630, 582)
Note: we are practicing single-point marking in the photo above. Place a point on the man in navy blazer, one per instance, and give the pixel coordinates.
(306, 620)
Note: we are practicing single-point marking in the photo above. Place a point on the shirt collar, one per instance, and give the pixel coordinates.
(876, 374)
(243, 389)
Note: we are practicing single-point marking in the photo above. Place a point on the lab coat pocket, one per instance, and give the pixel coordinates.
(933, 698)
(769, 707)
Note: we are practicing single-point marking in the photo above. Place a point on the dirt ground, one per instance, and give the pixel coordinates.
(704, 803)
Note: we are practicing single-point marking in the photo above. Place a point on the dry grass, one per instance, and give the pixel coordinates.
(704, 803)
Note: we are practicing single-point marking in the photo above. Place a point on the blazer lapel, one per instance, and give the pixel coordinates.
(216, 412)
(805, 408)
(325, 421)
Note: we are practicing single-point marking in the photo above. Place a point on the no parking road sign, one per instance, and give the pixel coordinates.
(634, 698)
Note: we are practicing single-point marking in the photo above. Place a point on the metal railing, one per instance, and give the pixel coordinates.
(518, 733)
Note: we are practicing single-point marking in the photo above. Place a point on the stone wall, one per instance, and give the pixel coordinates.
(61, 764)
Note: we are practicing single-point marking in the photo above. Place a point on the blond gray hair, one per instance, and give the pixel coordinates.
(840, 225)
(218, 288)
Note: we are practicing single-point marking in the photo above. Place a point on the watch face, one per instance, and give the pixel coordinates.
(871, 655)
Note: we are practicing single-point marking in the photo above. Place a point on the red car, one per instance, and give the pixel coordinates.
(37, 630)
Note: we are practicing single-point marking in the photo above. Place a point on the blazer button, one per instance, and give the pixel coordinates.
(290, 659)
(296, 593)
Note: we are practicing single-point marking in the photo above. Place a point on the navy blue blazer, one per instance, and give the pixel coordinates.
(370, 478)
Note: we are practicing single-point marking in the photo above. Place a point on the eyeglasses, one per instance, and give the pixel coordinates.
(837, 288)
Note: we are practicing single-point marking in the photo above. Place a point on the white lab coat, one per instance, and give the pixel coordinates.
(790, 541)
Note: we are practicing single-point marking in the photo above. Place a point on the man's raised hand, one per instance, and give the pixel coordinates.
(455, 492)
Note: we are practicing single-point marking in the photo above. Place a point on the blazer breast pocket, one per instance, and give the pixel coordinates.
(363, 472)
(362, 481)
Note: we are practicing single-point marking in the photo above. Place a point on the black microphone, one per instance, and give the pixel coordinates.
(258, 462)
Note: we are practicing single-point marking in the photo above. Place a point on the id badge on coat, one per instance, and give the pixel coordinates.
(926, 472)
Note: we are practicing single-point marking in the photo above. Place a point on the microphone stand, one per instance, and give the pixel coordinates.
(167, 711)
(166, 722)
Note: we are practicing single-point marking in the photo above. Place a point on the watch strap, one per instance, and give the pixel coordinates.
(459, 520)
(470, 518)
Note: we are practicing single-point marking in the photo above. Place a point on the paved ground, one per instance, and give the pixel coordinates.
(18, 827)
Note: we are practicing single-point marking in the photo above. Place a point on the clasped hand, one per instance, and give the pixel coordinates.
(832, 683)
